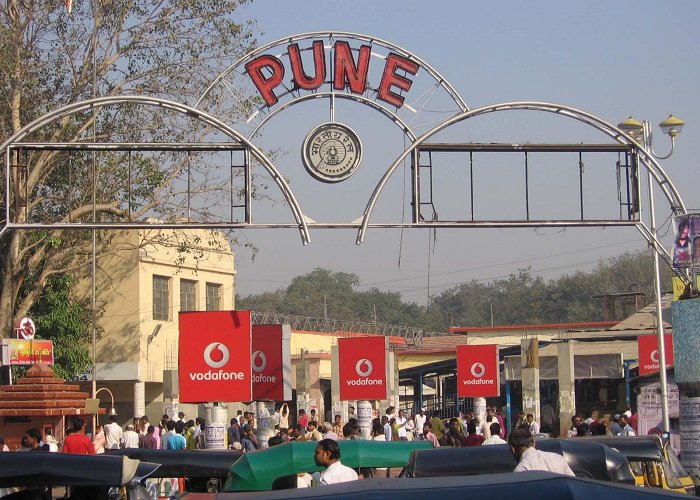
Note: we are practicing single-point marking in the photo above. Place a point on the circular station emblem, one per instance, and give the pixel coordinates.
(332, 152)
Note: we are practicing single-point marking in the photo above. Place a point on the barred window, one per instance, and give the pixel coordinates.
(161, 298)
(188, 295)
(213, 297)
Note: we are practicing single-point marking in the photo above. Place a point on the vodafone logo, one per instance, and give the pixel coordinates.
(478, 370)
(654, 356)
(208, 355)
(258, 361)
(363, 372)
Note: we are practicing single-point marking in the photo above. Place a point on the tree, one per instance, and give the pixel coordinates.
(48, 59)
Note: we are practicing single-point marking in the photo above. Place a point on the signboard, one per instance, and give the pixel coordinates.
(649, 407)
(648, 347)
(349, 71)
(27, 352)
(362, 370)
(477, 371)
(271, 363)
(214, 356)
(26, 329)
(686, 242)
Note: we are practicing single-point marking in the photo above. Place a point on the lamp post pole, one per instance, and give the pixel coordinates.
(641, 132)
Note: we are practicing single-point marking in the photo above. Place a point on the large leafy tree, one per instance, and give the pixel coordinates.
(50, 58)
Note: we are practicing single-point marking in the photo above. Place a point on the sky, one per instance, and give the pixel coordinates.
(610, 59)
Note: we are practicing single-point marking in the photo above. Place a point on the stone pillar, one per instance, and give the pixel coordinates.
(567, 386)
(139, 399)
(529, 353)
(686, 352)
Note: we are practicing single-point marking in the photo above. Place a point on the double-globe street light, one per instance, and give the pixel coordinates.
(642, 133)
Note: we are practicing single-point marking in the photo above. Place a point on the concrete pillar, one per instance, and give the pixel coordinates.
(567, 387)
(529, 353)
(364, 418)
(139, 399)
(265, 424)
(686, 352)
(215, 429)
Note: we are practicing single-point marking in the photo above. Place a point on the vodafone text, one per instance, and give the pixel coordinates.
(479, 381)
(365, 381)
(264, 378)
(217, 375)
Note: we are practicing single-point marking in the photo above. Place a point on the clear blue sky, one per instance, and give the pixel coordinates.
(611, 59)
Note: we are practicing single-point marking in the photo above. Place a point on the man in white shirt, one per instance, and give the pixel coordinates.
(328, 455)
(522, 444)
(625, 428)
(130, 438)
(494, 438)
(420, 419)
(401, 422)
(533, 426)
(113, 434)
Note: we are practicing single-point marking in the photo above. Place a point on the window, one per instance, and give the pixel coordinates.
(213, 297)
(161, 298)
(188, 295)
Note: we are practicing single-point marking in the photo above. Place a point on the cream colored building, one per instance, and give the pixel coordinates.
(143, 281)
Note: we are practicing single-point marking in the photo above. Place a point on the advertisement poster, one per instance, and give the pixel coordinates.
(648, 348)
(271, 363)
(214, 356)
(27, 352)
(686, 241)
(477, 371)
(649, 407)
(362, 368)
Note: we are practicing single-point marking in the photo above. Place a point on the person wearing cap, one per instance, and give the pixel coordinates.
(249, 441)
(327, 455)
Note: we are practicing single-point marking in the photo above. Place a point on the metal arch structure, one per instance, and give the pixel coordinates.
(202, 116)
(649, 162)
(331, 95)
(330, 35)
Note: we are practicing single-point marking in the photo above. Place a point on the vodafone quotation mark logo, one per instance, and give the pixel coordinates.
(258, 361)
(655, 356)
(367, 371)
(208, 355)
(478, 370)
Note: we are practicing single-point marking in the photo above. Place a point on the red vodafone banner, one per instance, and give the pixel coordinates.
(477, 371)
(648, 347)
(362, 370)
(214, 356)
(271, 363)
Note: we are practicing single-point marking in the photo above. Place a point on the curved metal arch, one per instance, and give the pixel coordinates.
(346, 34)
(649, 162)
(320, 95)
(177, 107)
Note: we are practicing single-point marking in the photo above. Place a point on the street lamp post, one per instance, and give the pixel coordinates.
(112, 411)
(641, 132)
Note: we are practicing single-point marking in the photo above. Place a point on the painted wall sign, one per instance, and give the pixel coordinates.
(350, 72)
(271, 363)
(362, 368)
(214, 356)
(477, 371)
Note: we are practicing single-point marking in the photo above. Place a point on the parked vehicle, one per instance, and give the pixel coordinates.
(535, 485)
(652, 460)
(586, 459)
(196, 470)
(277, 467)
(29, 476)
